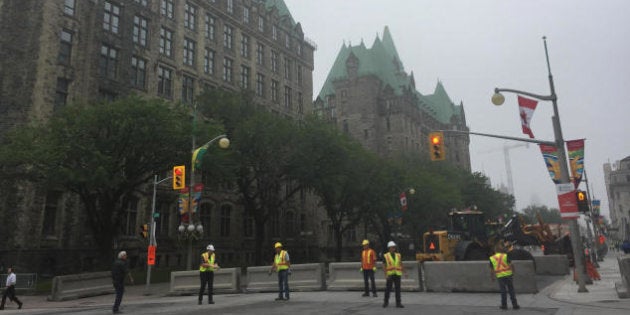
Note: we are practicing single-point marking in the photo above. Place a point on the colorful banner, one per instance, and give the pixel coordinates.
(575, 150)
(596, 205)
(182, 201)
(550, 155)
(567, 201)
(197, 189)
(526, 108)
(403, 201)
(197, 157)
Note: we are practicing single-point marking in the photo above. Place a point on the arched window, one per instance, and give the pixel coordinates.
(205, 216)
(226, 216)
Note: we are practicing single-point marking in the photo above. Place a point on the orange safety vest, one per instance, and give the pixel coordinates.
(500, 265)
(368, 259)
(393, 264)
(281, 263)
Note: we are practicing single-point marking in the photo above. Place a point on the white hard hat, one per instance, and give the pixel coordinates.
(210, 247)
(391, 244)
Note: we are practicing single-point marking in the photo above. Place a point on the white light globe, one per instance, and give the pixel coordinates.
(200, 228)
(498, 99)
(180, 228)
(191, 228)
(224, 143)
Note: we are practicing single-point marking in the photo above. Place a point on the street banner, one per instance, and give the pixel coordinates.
(567, 201)
(550, 155)
(595, 203)
(575, 150)
(526, 108)
(151, 255)
(197, 189)
(182, 201)
(403, 201)
(197, 156)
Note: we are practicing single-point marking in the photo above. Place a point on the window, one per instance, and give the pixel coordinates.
(274, 61)
(206, 219)
(300, 103)
(245, 77)
(140, 30)
(210, 27)
(65, 47)
(50, 213)
(138, 72)
(261, 23)
(299, 49)
(227, 37)
(111, 17)
(166, 42)
(226, 214)
(299, 74)
(260, 85)
(129, 219)
(248, 225)
(287, 69)
(166, 8)
(274, 32)
(246, 15)
(61, 93)
(208, 61)
(108, 62)
(143, 3)
(188, 89)
(165, 81)
(189, 52)
(274, 90)
(190, 13)
(230, 6)
(260, 54)
(287, 40)
(106, 96)
(287, 98)
(245, 46)
(68, 7)
(227, 70)
(289, 223)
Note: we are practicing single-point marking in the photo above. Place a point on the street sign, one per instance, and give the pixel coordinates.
(151, 255)
(567, 201)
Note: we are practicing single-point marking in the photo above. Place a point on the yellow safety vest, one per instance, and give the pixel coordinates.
(281, 263)
(500, 265)
(394, 267)
(209, 261)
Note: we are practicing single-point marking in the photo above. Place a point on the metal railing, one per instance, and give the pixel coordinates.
(24, 281)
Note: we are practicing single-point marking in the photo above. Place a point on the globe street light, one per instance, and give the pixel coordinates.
(576, 243)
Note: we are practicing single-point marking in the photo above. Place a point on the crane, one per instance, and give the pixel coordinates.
(508, 164)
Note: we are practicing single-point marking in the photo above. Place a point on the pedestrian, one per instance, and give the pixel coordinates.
(502, 269)
(368, 267)
(119, 271)
(9, 291)
(281, 265)
(206, 273)
(393, 272)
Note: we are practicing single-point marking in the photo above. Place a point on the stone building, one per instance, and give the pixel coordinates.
(57, 52)
(617, 177)
(369, 95)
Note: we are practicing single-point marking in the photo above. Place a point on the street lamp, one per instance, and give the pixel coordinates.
(576, 243)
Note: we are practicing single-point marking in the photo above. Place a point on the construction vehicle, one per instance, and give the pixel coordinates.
(470, 237)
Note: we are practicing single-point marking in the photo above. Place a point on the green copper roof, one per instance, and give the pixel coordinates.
(382, 61)
(283, 10)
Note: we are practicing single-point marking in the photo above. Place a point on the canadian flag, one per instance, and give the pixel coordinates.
(526, 112)
(403, 201)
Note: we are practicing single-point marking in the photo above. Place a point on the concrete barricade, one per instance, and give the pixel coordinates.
(475, 276)
(623, 286)
(552, 265)
(347, 276)
(82, 285)
(304, 277)
(226, 280)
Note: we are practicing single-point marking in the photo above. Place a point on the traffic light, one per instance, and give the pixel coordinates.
(144, 230)
(582, 201)
(436, 146)
(179, 177)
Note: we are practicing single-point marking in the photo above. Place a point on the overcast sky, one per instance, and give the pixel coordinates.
(475, 46)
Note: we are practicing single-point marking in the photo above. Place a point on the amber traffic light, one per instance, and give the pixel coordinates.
(179, 177)
(582, 201)
(436, 146)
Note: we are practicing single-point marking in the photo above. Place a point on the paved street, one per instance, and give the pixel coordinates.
(558, 295)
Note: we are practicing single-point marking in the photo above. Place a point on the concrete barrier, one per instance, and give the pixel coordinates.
(226, 280)
(77, 286)
(346, 276)
(552, 265)
(474, 276)
(623, 286)
(304, 277)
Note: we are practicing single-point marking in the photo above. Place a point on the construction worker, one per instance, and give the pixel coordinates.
(393, 272)
(501, 267)
(281, 264)
(207, 266)
(368, 267)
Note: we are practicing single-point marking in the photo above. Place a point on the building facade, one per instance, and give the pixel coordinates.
(617, 178)
(368, 95)
(57, 52)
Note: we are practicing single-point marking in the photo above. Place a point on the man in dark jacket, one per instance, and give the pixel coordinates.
(119, 270)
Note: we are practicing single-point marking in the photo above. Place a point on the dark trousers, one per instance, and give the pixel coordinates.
(369, 275)
(9, 292)
(506, 285)
(283, 283)
(120, 290)
(206, 278)
(392, 280)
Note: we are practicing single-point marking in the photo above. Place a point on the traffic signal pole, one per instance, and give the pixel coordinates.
(152, 240)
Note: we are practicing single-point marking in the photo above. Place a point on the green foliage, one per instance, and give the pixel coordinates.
(548, 215)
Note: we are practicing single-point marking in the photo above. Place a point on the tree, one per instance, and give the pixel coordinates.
(548, 215)
(103, 153)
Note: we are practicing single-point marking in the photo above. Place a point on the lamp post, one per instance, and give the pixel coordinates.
(152, 241)
(576, 241)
